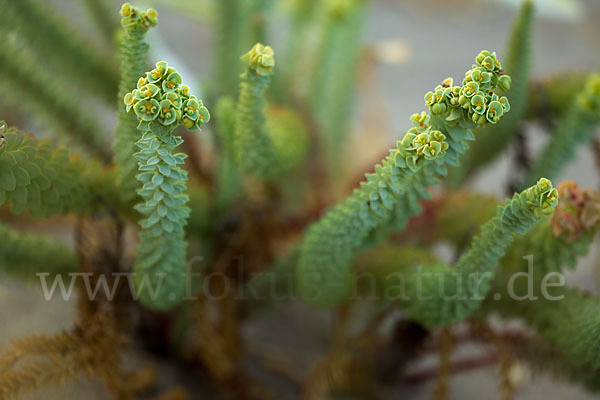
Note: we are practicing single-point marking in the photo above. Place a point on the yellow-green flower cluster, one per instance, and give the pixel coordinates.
(421, 142)
(475, 100)
(132, 18)
(589, 99)
(161, 97)
(260, 59)
(545, 195)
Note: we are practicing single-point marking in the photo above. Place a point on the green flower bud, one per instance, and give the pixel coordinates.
(448, 83)
(478, 119)
(464, 101)
(188, 123)
(504, 82)
(548, 201)
(544, 185)
(439, 108)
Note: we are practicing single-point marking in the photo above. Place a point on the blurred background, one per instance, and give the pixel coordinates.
(408, 47)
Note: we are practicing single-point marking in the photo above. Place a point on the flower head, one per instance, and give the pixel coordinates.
(166, 101)
(260, 59)
(133, 19)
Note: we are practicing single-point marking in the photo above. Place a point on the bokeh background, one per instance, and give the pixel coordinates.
(409, 47)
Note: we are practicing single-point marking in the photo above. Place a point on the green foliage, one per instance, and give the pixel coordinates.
(387, 266)
(554, 244)
(391, 195)
(103, 16)
(336, 67)
(44, 180)
(257, 19)
(439, 295)
(573, 130)
(31, 88)
(55, 41)
(301, 13)
(518, 64)
(264, 150)
(576, 333)
(229, 178)
(552, 96)
(228, 45)
(543, 356)
(161, 103)
(134, 54)
(24, 255)
(265, 135)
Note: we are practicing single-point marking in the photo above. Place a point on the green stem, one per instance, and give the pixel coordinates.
(134, 63)
(391, 195)
(439, 295)
(25, 255)
(43, 180)
(161, 254)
